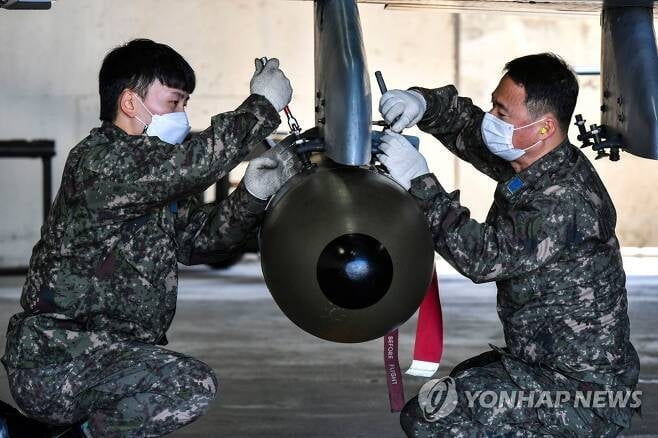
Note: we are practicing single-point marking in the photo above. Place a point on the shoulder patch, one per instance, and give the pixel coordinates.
(514, 184)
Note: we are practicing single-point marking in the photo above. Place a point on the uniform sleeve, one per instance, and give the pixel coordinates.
(456, 123)
(129, 177)
(523, 241)
(208, 233)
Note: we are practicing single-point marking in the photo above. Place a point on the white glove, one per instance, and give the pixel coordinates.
(402, 109)
(402, 160)
(269, 81)
(266, 174)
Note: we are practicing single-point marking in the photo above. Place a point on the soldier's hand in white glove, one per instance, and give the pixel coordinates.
(266, 174)
(402, 109)
(269, 81)
(403, 161)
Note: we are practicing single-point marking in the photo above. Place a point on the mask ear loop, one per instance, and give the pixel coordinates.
(542, 131)
(524, 126)
(146, 126)
(531, 146)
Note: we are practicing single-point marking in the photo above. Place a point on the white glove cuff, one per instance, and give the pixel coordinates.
(423, 105)
(255, 193)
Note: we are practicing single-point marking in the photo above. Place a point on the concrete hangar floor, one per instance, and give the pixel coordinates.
(277, 381)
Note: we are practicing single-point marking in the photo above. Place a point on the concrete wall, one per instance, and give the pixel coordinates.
(487, 41)
(49, 63)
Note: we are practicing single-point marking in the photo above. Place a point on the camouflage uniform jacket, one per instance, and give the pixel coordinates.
(549, 243)
(105, 269)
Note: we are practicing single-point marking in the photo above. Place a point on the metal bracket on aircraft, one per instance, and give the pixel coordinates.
(628, 3)
(26, 4)
(598, 140)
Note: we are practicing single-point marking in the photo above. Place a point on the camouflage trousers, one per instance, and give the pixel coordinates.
(472, 417)
(128, 390)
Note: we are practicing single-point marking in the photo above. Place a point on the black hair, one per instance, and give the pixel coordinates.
(550, 85)
(135, 66)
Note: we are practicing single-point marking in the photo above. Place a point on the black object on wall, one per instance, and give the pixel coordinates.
(44, 149)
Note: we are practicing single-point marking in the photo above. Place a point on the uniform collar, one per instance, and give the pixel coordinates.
(111, 131)
(527, 178)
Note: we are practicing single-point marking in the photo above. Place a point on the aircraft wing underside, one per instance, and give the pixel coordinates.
(570, 7)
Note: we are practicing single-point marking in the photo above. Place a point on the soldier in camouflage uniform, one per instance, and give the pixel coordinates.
(548, 242)
(101, 289)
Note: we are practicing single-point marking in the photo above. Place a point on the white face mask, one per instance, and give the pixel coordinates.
(171, 128)
(497, 135)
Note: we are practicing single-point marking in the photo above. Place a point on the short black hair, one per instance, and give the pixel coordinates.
(135, 66)
(550, 85)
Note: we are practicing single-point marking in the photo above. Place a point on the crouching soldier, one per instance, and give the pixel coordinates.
(101, 289)
(548, 242)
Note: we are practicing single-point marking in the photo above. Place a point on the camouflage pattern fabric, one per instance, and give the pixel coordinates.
(481, 419)
(105, 269)
(126, 390)
(549, 244)
(102, 283)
